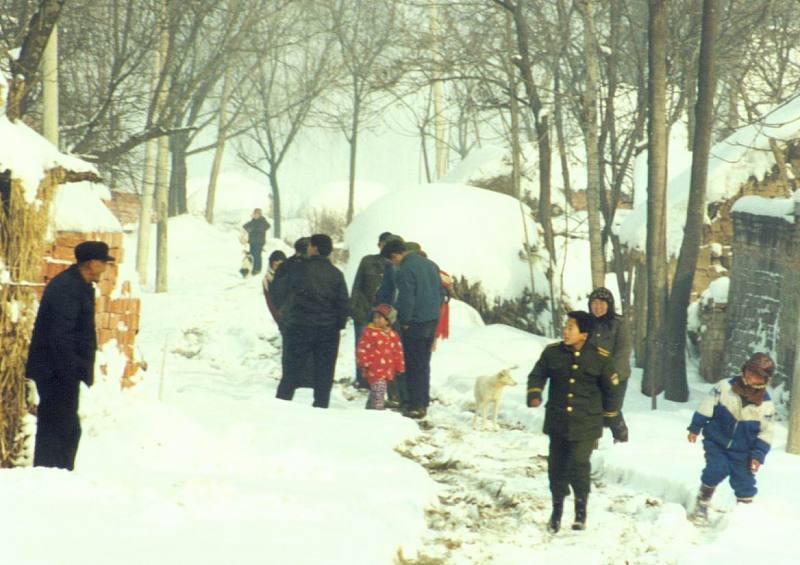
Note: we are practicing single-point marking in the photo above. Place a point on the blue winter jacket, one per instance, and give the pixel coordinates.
(744, 430)
(419, 290)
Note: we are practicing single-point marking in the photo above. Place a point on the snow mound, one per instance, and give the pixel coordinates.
(467, 231)
(236, 197)
(745, 153)
(79, 207)
(480, 163)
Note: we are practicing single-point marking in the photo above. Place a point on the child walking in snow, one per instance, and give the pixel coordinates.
(380, 354)
(737, 420)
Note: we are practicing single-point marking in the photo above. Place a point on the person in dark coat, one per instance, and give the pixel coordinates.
(280, 290)
(256, 230)
(419, 297)
(313, 317)
(62, 354)
(583, 390)
(611, 334)
(366, 283)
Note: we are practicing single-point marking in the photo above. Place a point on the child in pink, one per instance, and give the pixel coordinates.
(380, 354)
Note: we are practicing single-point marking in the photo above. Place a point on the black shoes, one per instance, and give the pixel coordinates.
(555, 517)
(415, 413)
(580, 514)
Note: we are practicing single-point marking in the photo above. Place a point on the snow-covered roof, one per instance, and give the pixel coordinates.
(79, 207)
(467, 231)
(27, 154)
(745, 153)
(783, 208)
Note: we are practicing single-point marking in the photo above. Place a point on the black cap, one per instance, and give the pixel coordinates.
(89, 250)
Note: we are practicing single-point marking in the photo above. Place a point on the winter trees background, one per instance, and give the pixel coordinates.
(146, 84)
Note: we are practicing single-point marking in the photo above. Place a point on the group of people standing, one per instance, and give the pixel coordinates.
(397, 302)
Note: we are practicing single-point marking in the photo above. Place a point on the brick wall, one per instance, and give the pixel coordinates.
(125, 206)
(117, 316)
(764, 298)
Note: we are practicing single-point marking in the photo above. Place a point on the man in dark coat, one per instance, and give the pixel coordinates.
(583, 390)
(316, 312)
(62, 354)
(362, 296)
(419, 297)
(611, 335)
(256, 230)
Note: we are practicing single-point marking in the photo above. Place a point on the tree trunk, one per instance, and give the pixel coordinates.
(179, 145)
(424, 146)
(558, 113)
(652, 383)
(676, 386)
(219, 151)
(793, 441)
(276, 203)
(351, 190)
(592, 153)
(438, 100)
(162, 172)
(25, 67)
(148, 191)
(50, 89)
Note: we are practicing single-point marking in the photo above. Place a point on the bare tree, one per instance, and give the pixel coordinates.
(656, 199)
(365, 33)
(291, 74)
(676, 386)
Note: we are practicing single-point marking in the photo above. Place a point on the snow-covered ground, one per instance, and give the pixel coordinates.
(200, 464)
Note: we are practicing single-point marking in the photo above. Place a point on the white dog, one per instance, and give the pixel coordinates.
(488, 390)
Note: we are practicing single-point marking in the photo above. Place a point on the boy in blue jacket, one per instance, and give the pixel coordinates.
(737, 423)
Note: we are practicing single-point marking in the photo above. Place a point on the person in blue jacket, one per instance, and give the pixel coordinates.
(736, 419)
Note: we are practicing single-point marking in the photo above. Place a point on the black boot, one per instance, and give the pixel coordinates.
(580, 514)
(703, 499)
(555, 517)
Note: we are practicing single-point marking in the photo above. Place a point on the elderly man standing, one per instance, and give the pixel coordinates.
(62, 353)
(419, 297)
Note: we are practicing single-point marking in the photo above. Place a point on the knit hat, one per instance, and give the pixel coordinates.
(761, 364)
(387, 312)
(601, 293)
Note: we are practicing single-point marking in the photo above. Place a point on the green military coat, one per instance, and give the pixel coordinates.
(584, 388)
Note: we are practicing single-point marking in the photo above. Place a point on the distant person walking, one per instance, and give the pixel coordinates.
(62, 354)
(380, 354)
(256, 230)
(315, 312)
(611, 335)
(419, 297)
(369, 276)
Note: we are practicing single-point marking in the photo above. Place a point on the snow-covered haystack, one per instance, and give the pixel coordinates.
(31, 168)
(469, 232)
(236, 197)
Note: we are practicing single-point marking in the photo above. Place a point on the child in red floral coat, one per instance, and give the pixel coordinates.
(380, 354)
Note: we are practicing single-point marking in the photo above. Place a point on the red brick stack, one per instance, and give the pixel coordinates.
(115, 318)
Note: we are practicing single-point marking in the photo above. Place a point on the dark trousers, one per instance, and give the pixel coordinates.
(358, 329)
(309, 352)
(722, 463)
(58, 428)
(256, 249)
(569, 465)
(417, 342)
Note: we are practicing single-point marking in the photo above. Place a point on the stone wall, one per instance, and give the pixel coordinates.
(764, 298)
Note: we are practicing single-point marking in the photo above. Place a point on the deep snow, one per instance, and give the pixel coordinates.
(217, 471)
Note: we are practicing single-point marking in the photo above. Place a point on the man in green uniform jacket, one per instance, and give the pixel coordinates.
(584, 389)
